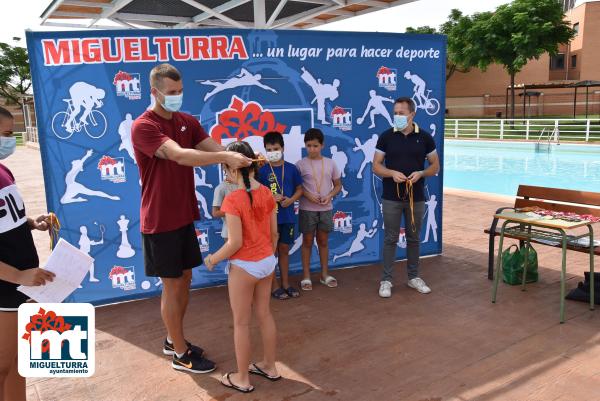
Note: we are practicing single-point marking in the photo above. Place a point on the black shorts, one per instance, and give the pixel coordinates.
(10, 298)
(168, 254)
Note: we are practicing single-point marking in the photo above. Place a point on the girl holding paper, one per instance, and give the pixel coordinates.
(18, 263)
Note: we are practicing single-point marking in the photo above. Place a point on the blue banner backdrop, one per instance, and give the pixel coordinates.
(89, 86)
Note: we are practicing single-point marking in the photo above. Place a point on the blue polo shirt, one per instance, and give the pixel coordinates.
(291, 179)
(406, 154)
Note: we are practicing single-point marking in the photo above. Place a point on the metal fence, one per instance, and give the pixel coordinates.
(30, 135)
(539, 129)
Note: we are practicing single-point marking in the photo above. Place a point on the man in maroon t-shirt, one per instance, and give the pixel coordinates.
(167, 145)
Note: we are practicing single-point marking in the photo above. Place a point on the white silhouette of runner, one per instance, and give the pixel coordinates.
(378, 108)
(125, 134)
(298, 244)
(419, 88)
(341, 160)
(244, 78)
(431, 223)
(368, 149)
(198, 182)
(322, 92)
(86, 95)
(200, 179)
(357, 243)
(85, 246)
(74, 188)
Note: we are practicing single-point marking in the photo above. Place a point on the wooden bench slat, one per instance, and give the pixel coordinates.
(559, 195)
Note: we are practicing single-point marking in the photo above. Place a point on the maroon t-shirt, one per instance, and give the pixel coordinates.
(168, 193)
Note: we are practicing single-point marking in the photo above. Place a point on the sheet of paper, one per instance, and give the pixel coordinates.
(70, 266)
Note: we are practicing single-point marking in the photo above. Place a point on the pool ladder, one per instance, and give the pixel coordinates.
(543, 143)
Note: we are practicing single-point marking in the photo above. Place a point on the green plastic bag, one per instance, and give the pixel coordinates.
(513, 263)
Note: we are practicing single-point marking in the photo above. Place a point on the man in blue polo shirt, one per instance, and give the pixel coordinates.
(400, 160)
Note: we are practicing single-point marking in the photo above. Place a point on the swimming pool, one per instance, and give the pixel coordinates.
(499, 167)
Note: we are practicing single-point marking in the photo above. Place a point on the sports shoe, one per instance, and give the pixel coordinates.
(418, 284)
(190, 362)
(169, 348)
(385, 289)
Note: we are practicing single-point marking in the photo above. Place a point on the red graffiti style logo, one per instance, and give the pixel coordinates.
(242, 120)
(44, 321)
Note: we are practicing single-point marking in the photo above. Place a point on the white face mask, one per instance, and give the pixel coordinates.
(8, 144)
(172, 102)
(275, 156)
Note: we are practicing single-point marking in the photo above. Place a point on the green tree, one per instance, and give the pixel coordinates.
(15, 75)
(455, 41)
(421, 29)
(514, 34)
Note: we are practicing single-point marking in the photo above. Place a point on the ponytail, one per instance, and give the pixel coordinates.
(246, 176)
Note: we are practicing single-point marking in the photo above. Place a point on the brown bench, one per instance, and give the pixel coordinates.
(561, 200)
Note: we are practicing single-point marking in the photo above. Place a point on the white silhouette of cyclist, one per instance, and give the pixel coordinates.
(74, 188)
(244, 78)
(378, 108)
(86, 95)
(357, 243)
(419, 88)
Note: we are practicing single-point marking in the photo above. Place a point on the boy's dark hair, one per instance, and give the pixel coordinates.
(312, 134)
(5, 113)
(408, 101)
(273, 138)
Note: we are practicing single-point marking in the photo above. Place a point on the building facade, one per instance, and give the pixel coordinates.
(483, 94)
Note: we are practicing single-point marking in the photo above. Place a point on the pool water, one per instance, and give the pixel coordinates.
(499, 167)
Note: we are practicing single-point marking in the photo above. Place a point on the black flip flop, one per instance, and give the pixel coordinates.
(255, 370)
(280, 294)
(292, 292)
(230, 384)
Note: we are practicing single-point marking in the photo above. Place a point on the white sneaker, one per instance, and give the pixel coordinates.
(385, 289)
(418, 284)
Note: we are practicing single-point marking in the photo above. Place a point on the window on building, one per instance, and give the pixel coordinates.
(567, 4)
(557, 62)
(576, 28)
(574, 61)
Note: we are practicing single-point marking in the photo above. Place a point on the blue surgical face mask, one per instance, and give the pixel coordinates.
(172, 102)
(8, 144)
(400, 122)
